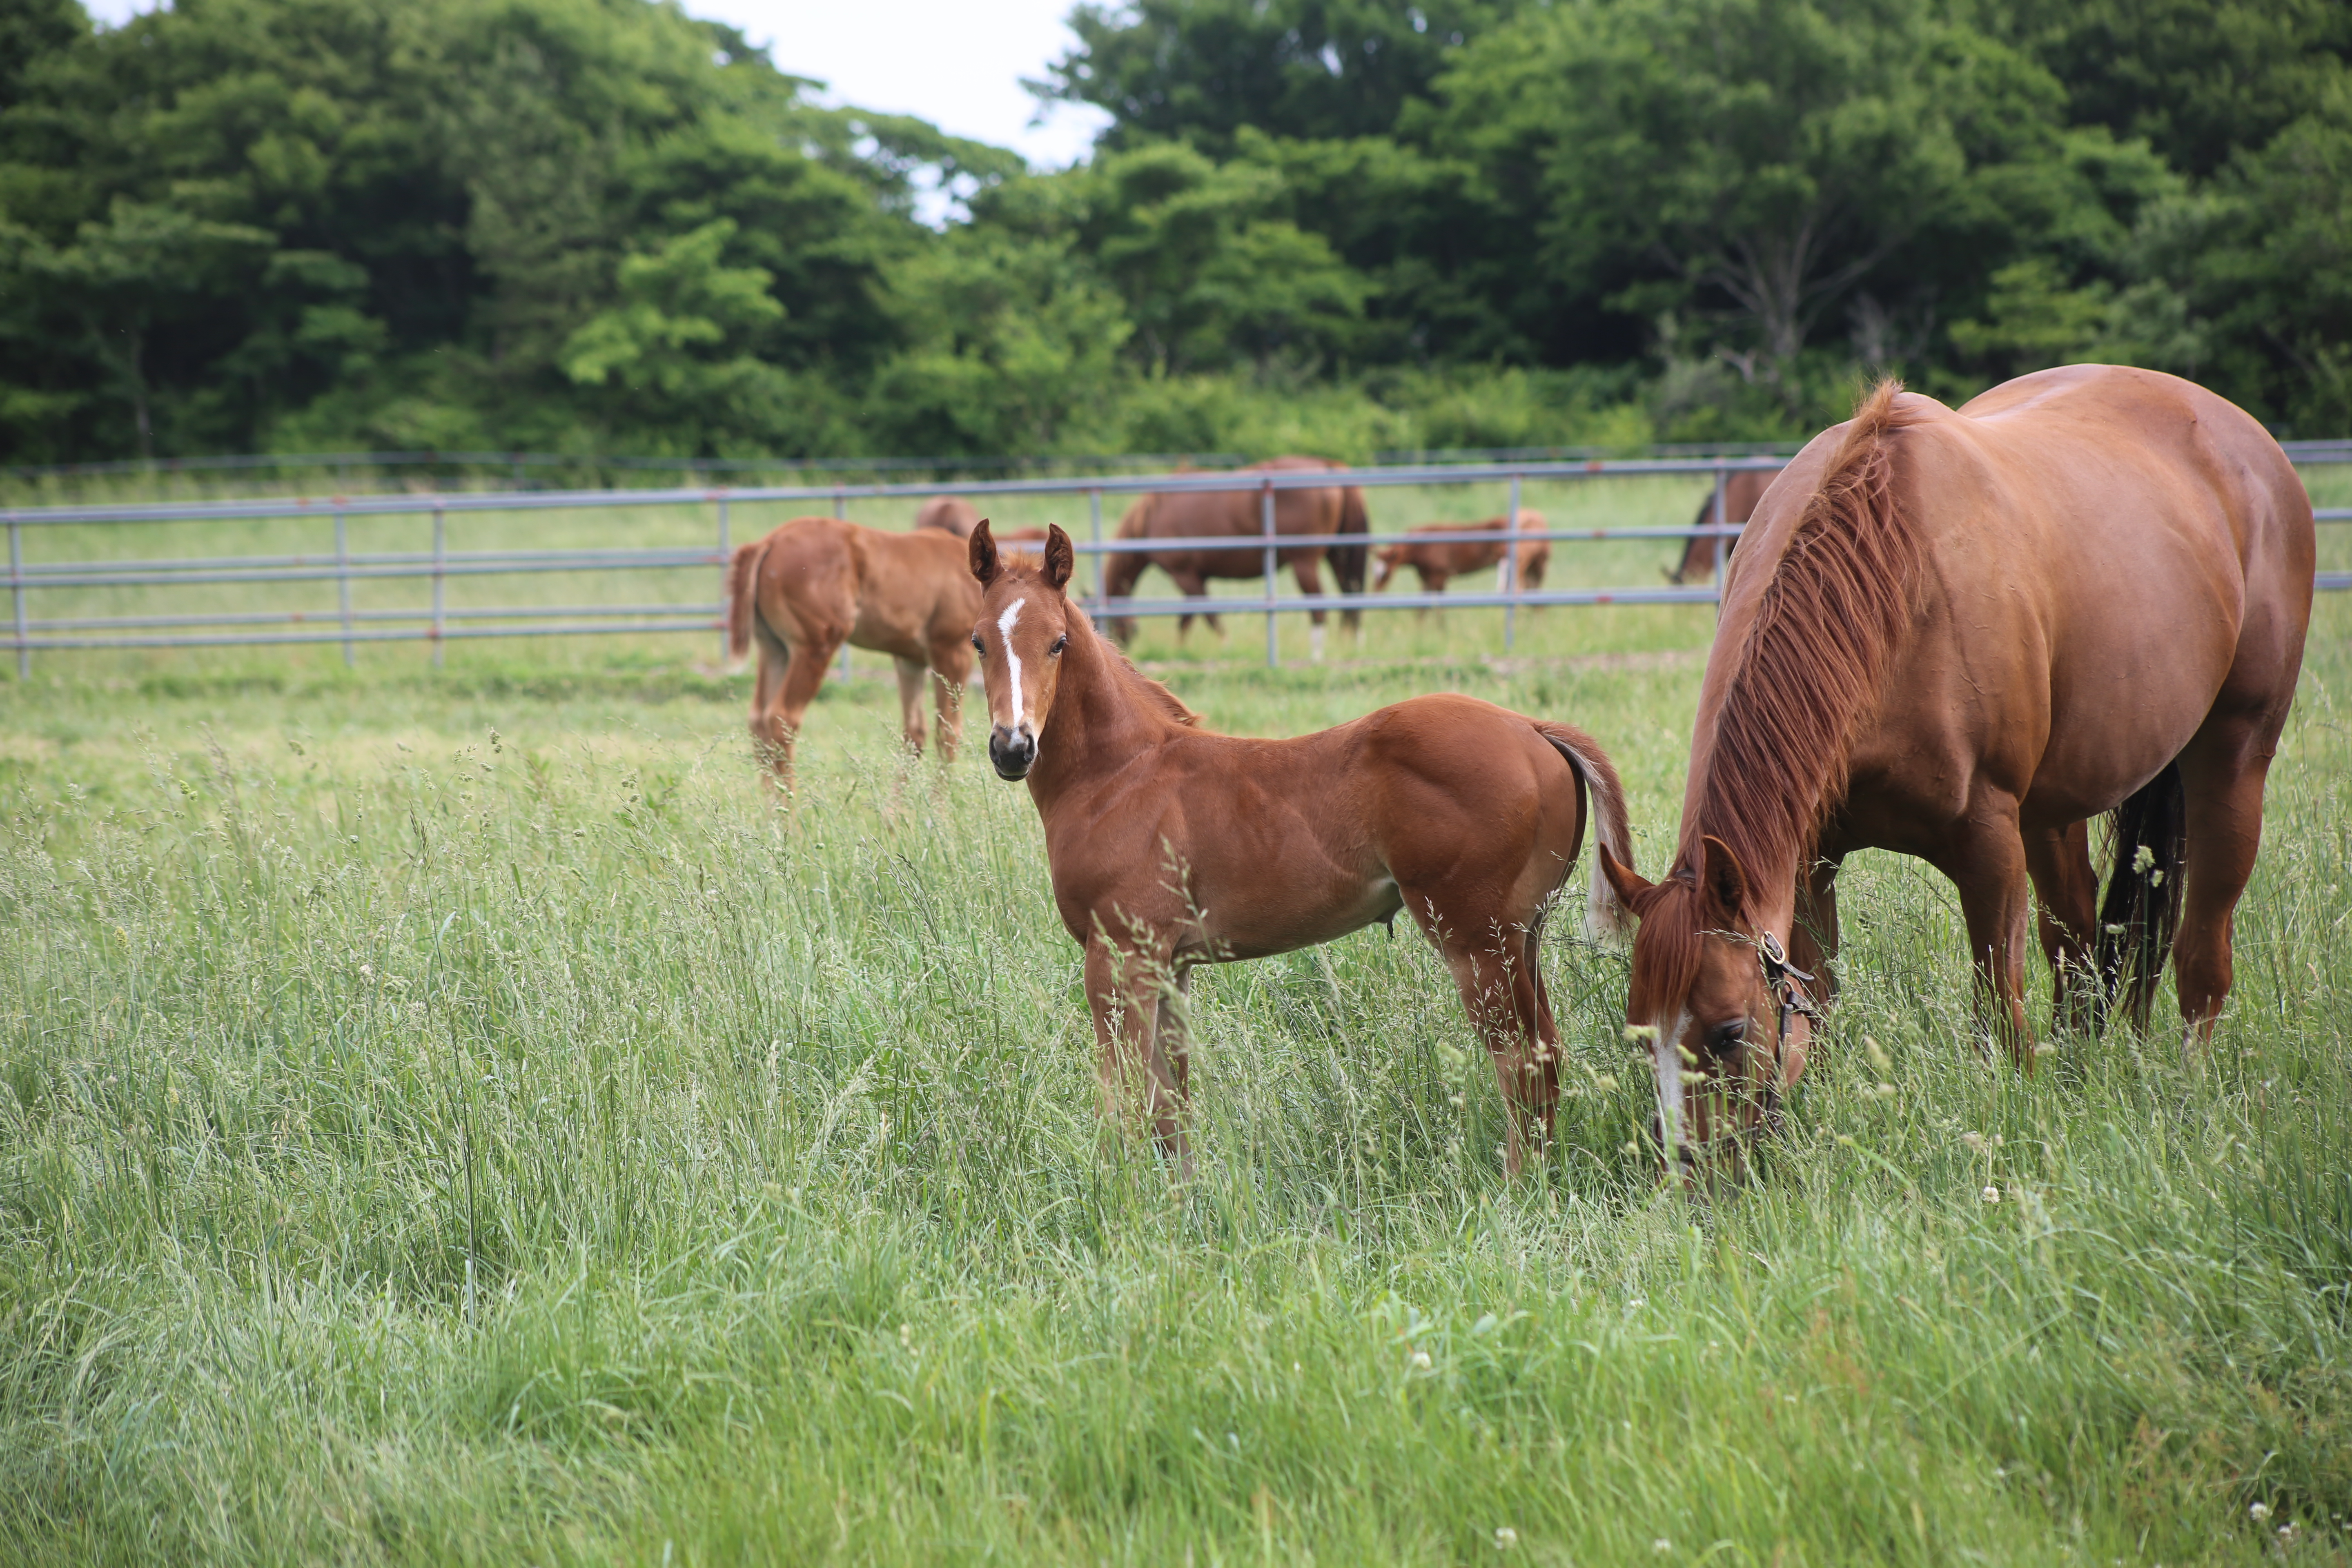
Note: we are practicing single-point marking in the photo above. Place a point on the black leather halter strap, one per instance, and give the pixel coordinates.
(1787, 983)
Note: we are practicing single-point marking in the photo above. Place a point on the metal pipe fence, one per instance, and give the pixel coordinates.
(439, 621)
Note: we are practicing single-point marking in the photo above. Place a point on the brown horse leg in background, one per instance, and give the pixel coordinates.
(2066, 888)
(1192, 585)
(781, 698)
(2221, 775)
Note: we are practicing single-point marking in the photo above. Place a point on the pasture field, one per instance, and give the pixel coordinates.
(453, 1116)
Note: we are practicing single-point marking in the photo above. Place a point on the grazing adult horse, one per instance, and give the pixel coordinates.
(816, 582)
(1438, 563)
(1742, 489)
(1210, 514)
(1960, 636)
(1172, 846)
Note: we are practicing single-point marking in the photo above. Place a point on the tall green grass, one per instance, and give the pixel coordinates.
(457, 1117)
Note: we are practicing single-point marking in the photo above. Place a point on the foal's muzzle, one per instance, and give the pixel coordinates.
(1011, 752)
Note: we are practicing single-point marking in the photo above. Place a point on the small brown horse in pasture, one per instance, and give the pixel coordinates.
(1172, 846)
(1210, 514)
(950, 514)
(816, 582)
(1742, 489)
(1960, 636)
(1439, 562)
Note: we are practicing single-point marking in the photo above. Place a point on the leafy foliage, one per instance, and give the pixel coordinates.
(599, 224)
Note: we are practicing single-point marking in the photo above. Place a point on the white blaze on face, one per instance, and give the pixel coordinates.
(1004, 625)
(1669, 1086)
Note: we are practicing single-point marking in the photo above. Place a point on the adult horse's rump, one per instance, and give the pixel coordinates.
(1960, 636)
(949, 514)
(1742, 489)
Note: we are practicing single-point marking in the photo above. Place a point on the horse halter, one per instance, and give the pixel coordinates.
(1787, 983)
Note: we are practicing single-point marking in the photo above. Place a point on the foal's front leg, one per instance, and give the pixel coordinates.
(1127, 991)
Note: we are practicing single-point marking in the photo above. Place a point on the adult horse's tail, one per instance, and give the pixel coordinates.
(742, 589)
(1604, 917)
(1349, 561)
(2142, 906)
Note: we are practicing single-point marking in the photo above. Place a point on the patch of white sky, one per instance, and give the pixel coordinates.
(956, 63)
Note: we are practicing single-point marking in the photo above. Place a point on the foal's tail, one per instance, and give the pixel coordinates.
(742, 587)
(2142, 904)
(1604, 917)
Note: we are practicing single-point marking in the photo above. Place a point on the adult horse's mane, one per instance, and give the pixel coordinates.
(1810, 667)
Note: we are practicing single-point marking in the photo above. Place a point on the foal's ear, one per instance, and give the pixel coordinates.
(1722, 878)
(982, 545)
(1060, 558)
(1623, 879)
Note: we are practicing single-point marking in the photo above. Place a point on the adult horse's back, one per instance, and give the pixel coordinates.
(1959, 634)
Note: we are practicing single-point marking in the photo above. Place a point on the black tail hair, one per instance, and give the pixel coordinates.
(2142, 905)
(1348, 561)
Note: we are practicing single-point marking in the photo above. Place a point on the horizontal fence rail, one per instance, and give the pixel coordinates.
(438, 622)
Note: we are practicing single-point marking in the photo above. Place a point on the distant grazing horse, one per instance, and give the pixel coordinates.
(1439, 563)
(1171, 846)
(1958, 636)
(950, 514)
(1208, 514)
(1742, 489)
(816, 582)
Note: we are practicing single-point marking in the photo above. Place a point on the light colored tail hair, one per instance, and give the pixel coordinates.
(742, 589)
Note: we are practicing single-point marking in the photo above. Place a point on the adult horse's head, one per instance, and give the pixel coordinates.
(1024, 627)
(1707, 1002)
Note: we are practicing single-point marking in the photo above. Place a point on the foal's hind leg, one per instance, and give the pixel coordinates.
(2059, 861)
(802, 678)
(2223, 773)
(1493, 969)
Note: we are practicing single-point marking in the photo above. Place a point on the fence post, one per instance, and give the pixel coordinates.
(440, 567)
(16, 586)
(1511, 569)
(1094, 526)
(343, 580)
(725, 608)
(1722, 484)
(1265, 522)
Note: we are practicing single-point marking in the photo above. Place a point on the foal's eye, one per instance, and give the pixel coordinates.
(1059, 644)
(1725, 1038)
(978, 647)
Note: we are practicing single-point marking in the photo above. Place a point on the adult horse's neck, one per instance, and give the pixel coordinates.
(1106, 712)
(1833, 608)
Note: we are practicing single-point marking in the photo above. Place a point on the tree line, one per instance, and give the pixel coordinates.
(602, 226)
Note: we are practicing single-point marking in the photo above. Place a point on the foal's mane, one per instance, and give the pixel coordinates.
(1129, 680)
(1814, 659)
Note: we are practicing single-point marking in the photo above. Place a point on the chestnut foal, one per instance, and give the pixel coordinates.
(1172, 846)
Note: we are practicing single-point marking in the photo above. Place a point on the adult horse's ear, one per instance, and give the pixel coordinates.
(1623, 879)
(1722, 878)
(1060, 558)
(982, 545)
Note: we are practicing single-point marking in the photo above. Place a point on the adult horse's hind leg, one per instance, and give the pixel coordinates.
(2058, 859)
(2222, 774)
(1303, 568)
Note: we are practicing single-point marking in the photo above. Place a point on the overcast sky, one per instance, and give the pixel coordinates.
(957, 63)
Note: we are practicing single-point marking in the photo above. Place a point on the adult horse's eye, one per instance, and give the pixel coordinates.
(1059, 644)
(1725, 1038)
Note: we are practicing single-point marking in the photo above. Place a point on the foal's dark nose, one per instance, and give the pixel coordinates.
(1012, 751)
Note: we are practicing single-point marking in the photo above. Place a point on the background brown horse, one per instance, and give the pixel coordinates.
(950, 514)
(816, 582)
(1171, 846)
(1437, 563)
(1208, 514)
(1960, 636)
(1742, 489)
